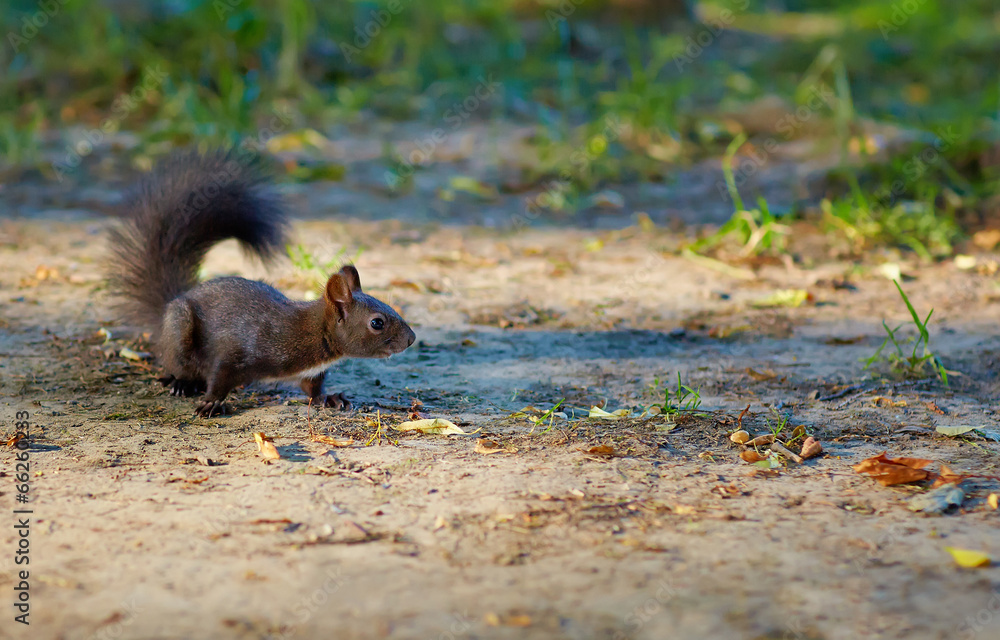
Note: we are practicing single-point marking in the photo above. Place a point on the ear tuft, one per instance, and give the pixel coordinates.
(351, 275)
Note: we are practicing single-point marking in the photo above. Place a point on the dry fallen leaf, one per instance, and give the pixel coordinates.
(266, 446)
(994, 501)
(761, 376)
(486, 447)
(751, 456)
(954, 431)
(760, 441)
(811, 448)
(947, 476)
(601, 450)
(726, 491)
(882, 401)
(740, 437)
(986, 239)
(14, 439)
(333, 442)
(433, 426)
(739, 421)
(969, 559)
(43, 272)
(933, 407)
(939, 500)
(518, 621)
(415, 410)
(407, 284)
(889, 471)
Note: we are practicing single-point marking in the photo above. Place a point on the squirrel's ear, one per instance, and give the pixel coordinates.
(352, 277)
(338, 293)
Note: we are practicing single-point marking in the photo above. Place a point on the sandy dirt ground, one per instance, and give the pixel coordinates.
(150, 523)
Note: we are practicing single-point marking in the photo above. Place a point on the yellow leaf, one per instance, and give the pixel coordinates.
(131, 354)
(297, 140)
(598, 145)
(597, 412)
(473, 186)
(718, 265)
(267, 448)
(645, 222)
(969, 559)
(882, 401)
(965, 262)
(784, 298)
(518, 621)
(434, 426)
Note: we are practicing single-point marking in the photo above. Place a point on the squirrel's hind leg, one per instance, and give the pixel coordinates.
(179, 345)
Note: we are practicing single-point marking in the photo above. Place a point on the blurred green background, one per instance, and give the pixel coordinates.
(680, 80)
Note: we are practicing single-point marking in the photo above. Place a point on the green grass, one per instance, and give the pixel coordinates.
(777, 422)
(756, 231)
(682, 398)
(229, 65)
(314, 271)
(549, 415)
(908, 357)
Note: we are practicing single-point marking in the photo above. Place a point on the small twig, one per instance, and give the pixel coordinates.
(843, 392)
(739, 421)
(347, 472)
(884, 385)
(25, 355)
(788, 453)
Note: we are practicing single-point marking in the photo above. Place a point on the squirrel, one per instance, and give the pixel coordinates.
(213, 336)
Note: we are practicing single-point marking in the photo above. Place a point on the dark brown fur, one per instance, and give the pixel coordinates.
(214, 336)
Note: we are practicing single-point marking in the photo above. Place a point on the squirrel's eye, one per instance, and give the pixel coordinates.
(378, 324)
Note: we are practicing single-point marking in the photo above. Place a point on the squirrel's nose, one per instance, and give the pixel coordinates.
(410, 338)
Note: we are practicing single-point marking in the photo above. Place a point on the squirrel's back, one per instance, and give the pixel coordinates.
(190, 202)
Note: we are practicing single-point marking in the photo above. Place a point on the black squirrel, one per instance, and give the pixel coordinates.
(216, 335)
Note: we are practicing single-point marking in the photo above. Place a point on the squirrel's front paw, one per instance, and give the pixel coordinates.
(209, 408)
(187, 387)
(338, 402)
(181, 387)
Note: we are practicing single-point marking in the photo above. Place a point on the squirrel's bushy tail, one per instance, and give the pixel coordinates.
(188, 203)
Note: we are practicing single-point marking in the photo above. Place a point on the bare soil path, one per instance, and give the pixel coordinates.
(134, 535)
